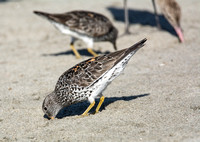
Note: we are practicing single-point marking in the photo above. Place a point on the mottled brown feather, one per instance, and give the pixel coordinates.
(85, 22)
(88, 71)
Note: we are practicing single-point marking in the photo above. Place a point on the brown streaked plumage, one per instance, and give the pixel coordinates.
(172, 12)
(85, 25)
(87, 80)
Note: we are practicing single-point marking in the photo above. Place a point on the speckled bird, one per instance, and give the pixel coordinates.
(87, 80)
(87, 26)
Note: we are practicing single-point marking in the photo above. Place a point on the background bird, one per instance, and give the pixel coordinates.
(169, 8)
(87, 80)
(88, 26)
(172, 12)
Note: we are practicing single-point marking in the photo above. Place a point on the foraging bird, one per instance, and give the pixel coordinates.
(87, 80)
(172, 12)
(170, 9)
(88, 26)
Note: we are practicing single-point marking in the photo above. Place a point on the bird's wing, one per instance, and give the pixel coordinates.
(87, 72)
(84, 22)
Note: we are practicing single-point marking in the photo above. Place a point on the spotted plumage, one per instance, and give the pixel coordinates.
(87, 80)
(85, 25)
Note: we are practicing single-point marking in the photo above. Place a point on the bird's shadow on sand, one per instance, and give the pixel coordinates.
(83, 52)
(79, 108)
(143, 17)
(1, 1)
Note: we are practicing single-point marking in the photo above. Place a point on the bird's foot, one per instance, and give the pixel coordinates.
(84, 114)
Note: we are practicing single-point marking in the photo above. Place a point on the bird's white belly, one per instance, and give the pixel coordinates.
(65, 30)
(108, 76)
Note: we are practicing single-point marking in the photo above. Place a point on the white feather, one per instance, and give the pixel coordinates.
(107, 77)
(65, 30)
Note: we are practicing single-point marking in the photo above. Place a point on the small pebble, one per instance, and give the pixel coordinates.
(36, 98)
(162, 64)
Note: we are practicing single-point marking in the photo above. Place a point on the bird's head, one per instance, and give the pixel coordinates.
(174, 18)
(51, 106)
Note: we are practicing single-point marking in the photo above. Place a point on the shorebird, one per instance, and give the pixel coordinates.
(87, 80)
(172, 12)
(170, 9)
(87, 26)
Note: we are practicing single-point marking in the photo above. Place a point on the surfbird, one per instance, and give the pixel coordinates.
(87, 80)
(87, 26)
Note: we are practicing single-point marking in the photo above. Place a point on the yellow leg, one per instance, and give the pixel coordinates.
(100, 103)
(75, 52)
(92, 52)
(88, 109)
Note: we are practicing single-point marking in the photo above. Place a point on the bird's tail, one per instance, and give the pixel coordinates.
(136, 46)
(43, 14)
(131, 50)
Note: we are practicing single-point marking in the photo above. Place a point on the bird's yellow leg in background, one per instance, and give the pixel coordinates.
(100, 103)
(92, 52)
(75, 51)
(88, 109)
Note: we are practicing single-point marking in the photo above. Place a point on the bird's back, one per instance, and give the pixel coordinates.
(84, 22)
(89, 71)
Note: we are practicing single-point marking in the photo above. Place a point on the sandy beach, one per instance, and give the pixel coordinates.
(156, 98)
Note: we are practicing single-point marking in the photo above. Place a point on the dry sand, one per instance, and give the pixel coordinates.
(157, 98)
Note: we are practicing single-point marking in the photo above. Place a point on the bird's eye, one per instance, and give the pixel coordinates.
(45, 108)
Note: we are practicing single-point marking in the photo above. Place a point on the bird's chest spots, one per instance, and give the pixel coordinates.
(78, 94)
